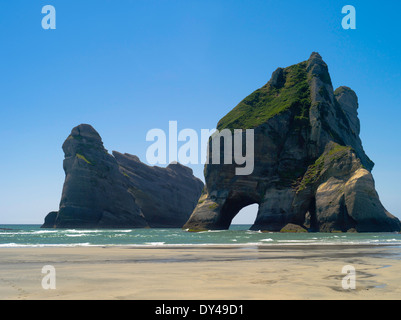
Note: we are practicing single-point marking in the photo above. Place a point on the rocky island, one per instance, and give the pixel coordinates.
(311, 172)
(119, 191)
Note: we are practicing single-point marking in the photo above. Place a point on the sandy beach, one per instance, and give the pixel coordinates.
(220, 272)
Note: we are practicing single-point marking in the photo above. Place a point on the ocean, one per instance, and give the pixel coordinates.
(237, 235)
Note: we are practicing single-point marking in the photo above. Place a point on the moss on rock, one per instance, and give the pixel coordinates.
(80, 156)
(269, 101)
(332, 153)
(293, 228)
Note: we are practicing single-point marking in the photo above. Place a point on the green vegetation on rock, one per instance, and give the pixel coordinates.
(314, 171)
(213, 206)
(293, 228)
(269, 101)
(80, 156)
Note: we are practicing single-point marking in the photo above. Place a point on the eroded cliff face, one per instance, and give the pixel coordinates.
(166, 196)
(299, 123)
(106, 191)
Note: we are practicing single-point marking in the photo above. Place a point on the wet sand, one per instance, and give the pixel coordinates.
(198, 273)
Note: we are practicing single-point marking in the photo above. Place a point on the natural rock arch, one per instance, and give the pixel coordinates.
(308, 160)
(231, 207)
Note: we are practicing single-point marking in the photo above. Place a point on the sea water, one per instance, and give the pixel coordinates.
(237, 235)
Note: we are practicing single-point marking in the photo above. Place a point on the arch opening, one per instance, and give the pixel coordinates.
(232, 206)
(245, 218)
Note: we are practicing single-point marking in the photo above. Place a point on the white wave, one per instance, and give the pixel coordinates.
(21, 233)
(18, 245)
(211, 231)
(8, 245)
(295, 241)
(43, 231)
(155, 243)
(267, 240)
(255, 231)
(82, 231)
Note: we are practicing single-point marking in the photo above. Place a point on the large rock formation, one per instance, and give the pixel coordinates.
(166, 196)
(105, 191)
(310, 168)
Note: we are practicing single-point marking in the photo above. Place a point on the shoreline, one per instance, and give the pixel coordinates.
(201, 272)
(283, 246)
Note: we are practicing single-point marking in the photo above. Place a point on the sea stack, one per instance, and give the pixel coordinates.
(106, 191)
(166, 196)
(310, 169)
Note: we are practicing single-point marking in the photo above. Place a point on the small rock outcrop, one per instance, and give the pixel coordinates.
(310, 168)
(106, 191)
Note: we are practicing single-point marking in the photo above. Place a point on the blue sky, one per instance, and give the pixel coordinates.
(126, 67)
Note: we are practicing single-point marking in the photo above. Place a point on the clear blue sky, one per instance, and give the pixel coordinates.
(126, 67)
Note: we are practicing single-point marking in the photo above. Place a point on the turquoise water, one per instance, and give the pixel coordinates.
(237, 235)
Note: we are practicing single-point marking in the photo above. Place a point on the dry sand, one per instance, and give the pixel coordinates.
(178, 273)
